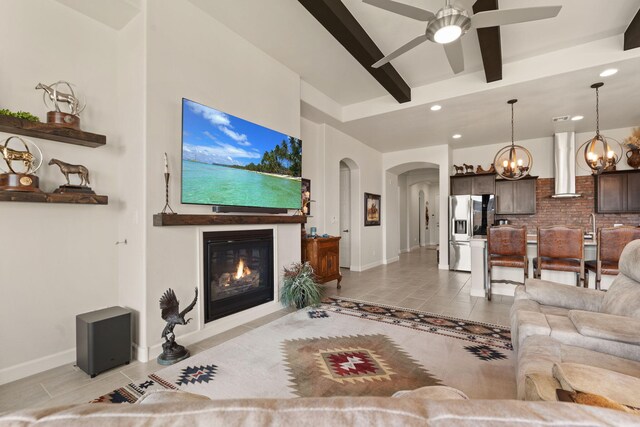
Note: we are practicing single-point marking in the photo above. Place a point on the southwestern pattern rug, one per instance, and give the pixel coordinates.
(346, 347)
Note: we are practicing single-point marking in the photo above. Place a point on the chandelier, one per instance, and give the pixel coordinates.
(600, 154)
(513, 161)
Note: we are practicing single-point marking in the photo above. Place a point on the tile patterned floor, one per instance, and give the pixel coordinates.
(413, 282)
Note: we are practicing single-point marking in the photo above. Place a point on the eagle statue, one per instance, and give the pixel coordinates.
(169, 304)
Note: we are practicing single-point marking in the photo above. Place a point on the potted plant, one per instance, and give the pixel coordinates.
(299, 286)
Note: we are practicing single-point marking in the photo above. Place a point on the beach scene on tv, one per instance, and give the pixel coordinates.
(230, 161)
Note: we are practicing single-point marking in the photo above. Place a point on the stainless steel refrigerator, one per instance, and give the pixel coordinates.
(469, 216)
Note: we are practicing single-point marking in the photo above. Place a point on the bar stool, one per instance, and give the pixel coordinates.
(560, 248)
(506, 247)
(611, 242)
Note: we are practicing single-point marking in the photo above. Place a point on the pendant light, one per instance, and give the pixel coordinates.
(513, 162)
(600, 154)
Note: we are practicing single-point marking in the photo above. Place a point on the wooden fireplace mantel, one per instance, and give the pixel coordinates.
(164, 220)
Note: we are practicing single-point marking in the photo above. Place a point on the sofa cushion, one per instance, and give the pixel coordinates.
(563, 330)
(618, 387)
(606, 326)
(623, 297)
(434, 392)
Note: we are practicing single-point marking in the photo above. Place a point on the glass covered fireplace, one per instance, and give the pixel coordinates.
(238, 271)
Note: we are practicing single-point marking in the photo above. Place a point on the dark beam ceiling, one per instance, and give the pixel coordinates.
(632, 35)
(490, 45)
(336, 18)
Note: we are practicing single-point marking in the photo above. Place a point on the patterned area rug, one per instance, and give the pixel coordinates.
(348, 347)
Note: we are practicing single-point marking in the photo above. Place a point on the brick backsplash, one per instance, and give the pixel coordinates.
(574, 212)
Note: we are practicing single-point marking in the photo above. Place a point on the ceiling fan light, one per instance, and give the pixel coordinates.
(447, 34)
(449, 25)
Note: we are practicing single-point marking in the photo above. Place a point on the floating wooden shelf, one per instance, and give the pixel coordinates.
(51, 132)
(164, 220)
(78, 198)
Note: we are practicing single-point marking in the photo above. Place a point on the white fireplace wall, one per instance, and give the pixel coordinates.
(191, 55)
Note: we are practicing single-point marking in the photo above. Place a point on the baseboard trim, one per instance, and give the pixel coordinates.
(404, 251)
(35, 366)
(414, 247)
(443, 266)
(392, 260)
(370, 265)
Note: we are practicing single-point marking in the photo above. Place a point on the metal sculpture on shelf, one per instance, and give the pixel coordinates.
(468, 169)
(167, 208)
(66, 106)
(169, 304)
(26, 153)
(68, 169)
(459, 169)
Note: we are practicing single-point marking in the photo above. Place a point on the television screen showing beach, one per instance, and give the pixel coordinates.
(230, 161)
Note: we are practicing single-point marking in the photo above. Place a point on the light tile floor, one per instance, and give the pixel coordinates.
(413, 282)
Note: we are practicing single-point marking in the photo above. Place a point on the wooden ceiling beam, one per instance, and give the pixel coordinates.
(632, 34)
(336, 18)
(490, 44)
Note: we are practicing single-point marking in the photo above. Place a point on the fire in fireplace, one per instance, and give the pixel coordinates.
(238, 271)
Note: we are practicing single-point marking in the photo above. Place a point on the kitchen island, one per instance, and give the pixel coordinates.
(479, 274)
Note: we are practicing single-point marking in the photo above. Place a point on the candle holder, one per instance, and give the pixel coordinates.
(167, 209)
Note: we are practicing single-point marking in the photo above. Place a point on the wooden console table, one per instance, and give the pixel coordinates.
(323, 253)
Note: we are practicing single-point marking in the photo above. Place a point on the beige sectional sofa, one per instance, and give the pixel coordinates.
(559, 331)
(430, 406)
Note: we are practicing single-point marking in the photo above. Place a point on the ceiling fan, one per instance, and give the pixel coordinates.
(450, 23)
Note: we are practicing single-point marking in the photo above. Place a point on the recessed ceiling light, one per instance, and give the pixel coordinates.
(576, 118)
(436, 107)
(456, 136)
(608, 72)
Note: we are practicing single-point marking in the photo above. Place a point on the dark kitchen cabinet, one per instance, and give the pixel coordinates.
(460, 186)
(475, 185)
(618, 192)
(516, 197)
(483, 184)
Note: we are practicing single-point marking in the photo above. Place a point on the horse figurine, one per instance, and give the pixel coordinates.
(11, 155)
(67, 169)
(468, 169)
(56, 96)
(459, 169)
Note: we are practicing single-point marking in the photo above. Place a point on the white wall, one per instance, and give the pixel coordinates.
(402, 214)
(541, 150)
(313, 169)
(392, 213)
(57, 261)
(194, 56)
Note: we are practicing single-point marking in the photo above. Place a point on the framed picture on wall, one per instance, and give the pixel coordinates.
(371, 209)
(306, 196)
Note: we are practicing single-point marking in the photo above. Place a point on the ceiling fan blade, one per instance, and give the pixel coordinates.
(455, 55)
(402, 9)
(402, 49)
(494, 18)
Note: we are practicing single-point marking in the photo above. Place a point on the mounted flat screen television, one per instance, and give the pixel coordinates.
(230, 162)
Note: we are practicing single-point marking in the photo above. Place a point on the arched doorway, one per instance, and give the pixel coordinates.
(349, 220)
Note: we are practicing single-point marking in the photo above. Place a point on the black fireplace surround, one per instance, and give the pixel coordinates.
(238, 271)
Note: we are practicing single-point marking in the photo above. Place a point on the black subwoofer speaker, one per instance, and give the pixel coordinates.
(103, 339)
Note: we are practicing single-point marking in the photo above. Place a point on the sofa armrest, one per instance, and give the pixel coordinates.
(565, 296)
(525, 324)
(606, 326)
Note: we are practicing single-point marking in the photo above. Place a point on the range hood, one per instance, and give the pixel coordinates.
(564, 149)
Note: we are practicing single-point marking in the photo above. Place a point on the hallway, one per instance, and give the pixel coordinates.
(416, 282)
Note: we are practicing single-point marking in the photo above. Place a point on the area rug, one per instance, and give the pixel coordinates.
(347, 347)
